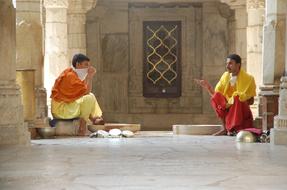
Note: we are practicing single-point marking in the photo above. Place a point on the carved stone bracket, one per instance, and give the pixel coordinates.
(56, 3)
(255, 4)
(234, 4)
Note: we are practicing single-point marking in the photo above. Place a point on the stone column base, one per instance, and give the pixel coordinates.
(278, 136)
(279, 133)
(15, 135)
(269, 109)
(41, 119)
(13, 130)
(41, 122)
(280, 122)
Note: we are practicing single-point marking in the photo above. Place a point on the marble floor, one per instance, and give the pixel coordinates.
(150, 161)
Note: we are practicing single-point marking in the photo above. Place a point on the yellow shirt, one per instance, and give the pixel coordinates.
(244, 87)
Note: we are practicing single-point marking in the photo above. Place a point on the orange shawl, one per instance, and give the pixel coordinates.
(68, 87)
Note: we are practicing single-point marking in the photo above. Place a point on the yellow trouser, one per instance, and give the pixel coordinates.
(81, 108)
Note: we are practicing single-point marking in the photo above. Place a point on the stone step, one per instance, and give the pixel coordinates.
(122, 126)
(61, 128)
(70, 128)
(195, 129)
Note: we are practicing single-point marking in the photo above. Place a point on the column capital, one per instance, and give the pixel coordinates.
(255, 4)
(235, 4)
(56, 4)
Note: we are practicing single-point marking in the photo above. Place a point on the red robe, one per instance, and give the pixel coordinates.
(237, 117)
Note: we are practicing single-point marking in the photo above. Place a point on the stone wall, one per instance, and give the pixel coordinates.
(114, 44)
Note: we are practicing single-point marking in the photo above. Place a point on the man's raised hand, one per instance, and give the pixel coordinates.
(91, 71)
(205, 85)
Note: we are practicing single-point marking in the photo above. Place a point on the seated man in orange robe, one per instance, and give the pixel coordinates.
(232, 96)
(72, 97)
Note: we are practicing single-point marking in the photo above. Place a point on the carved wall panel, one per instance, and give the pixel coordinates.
(162, 59)
(190, 99)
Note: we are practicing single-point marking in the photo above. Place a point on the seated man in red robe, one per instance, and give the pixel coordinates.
(232, 96)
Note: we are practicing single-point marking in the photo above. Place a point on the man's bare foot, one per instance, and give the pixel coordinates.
(220, 133)
(98, 121)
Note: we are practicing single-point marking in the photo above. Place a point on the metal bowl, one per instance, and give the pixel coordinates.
(245, 136)
(46, 132)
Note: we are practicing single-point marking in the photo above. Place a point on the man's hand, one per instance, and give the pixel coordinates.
(205, 85)
(250, 101)
(89, 79)
(91, 71)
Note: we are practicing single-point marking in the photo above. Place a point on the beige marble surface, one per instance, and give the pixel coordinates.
(151, 160)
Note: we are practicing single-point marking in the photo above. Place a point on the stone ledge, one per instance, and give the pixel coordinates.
(70, 128)
(195, 129)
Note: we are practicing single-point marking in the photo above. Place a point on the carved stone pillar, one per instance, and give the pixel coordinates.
(279, 132)
(274, 42)
(77, 25)
(12, 128)
(274, 35)
(240, 28)
(56, 42)
(255, 10)
(30, 60)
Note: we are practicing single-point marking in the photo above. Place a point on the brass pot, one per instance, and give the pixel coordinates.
(46, 132)
(245, 136)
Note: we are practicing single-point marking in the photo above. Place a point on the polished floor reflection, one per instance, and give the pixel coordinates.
(148, 161)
